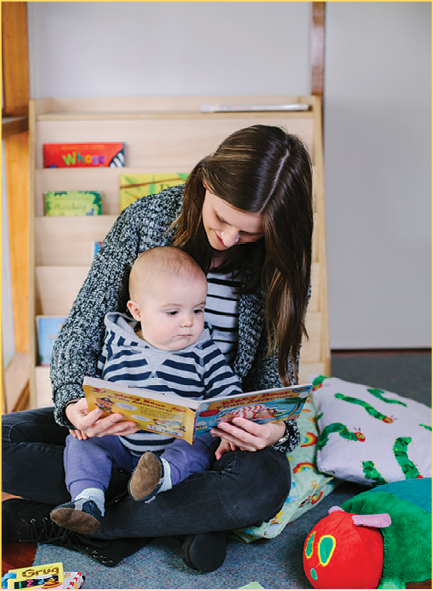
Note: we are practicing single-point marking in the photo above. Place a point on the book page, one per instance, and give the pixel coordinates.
(157, 415)
(262, 407)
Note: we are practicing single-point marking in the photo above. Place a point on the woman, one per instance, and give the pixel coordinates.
(245, 215)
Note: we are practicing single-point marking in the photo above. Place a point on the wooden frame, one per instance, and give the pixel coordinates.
(177, 135)
(14, 132)
(318, 48)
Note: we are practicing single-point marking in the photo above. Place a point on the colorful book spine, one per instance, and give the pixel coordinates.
(110, 154)
(72, 203)
(134, 186)
(48, 327)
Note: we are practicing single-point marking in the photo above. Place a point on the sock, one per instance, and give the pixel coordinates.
(92, 494)
(166, 484)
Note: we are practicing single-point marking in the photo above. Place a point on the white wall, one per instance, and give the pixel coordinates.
(93, 49)
(378, 173)
(377, 120)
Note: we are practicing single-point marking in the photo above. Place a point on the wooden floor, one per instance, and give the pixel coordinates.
(16, 555)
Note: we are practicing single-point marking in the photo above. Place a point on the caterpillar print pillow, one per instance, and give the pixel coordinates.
(368, 435)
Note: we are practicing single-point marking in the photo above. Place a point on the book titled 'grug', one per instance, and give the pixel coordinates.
(44, 576)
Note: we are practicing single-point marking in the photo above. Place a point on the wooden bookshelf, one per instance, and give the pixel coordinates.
(161, 134)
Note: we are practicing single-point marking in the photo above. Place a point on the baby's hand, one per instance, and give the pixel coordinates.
(223, 448)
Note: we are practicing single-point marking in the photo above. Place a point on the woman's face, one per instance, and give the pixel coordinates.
(226, 226)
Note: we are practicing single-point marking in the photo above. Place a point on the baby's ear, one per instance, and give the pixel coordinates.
(134, 308)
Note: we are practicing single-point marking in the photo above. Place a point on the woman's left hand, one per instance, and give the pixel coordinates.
(249, 436)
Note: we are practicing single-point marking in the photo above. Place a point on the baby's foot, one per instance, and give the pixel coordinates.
(147, 478)
(82, 516)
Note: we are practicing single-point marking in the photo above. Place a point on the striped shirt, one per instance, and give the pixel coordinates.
(222, 312)
(198, 371)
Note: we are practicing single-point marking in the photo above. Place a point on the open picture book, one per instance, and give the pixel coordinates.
(187, 417)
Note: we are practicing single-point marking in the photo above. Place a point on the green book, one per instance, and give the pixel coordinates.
(73, 203)
(134, 186)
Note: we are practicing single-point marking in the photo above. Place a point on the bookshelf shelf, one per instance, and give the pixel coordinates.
(161, 134)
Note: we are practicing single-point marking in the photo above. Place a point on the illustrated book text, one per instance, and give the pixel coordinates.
(187, 417)
(48, 327)
(71, 203)
(111, 154)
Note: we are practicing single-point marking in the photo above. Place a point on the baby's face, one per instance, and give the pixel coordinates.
(172, 312)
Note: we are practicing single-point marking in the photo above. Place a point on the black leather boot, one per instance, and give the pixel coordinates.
(27, 521)
(204, 552)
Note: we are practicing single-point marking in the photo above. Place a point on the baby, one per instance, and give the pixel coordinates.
(167, 348)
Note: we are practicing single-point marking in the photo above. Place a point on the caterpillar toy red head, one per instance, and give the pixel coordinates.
(380, 538)
(345, 551)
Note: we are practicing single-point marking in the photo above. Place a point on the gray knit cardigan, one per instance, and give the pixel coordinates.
(141, 226)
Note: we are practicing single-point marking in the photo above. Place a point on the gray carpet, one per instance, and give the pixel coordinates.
(405, 374)
(277, 563)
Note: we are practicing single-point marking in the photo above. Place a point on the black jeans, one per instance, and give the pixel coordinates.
(240, 489)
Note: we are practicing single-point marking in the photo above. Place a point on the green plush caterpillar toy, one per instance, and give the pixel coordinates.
(380, 538)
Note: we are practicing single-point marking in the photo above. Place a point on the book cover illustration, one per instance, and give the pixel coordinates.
(48, 327)
(72, 203)
(262, 407)
(134, 186)
(105, 154)
(95, 248)
(72, 580)
(44, 576)
(185, 417)
(160, 414)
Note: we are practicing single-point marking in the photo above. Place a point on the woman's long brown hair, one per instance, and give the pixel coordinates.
(260, 169)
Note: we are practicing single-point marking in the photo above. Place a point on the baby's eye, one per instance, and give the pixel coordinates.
(198, 311)
(172, 313)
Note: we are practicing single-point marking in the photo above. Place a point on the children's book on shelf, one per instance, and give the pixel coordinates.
(105, 154)
(72, 203)
(187, 417)
(95, 248)
(47, 328)
(134, 186)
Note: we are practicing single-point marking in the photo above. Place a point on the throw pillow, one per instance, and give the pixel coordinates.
(309, 486)
(368, 435)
